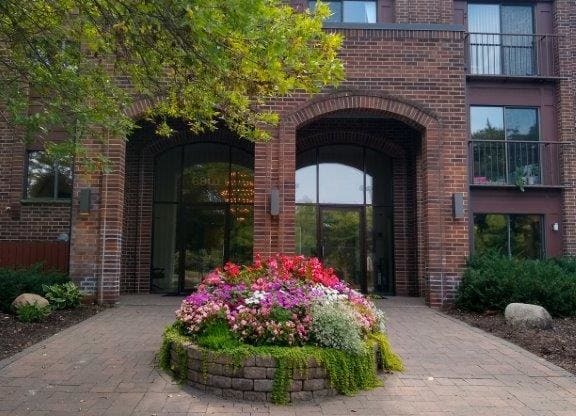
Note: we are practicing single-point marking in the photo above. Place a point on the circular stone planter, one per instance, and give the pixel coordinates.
(250, 379)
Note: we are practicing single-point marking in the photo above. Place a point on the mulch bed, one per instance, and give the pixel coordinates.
(16, 336)
(557, 345)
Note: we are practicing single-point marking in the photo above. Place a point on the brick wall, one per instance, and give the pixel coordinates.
(413, 77)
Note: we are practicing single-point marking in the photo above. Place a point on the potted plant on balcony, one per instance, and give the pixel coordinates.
(526, 175)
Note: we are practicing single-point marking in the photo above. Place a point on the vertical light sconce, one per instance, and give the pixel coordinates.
(84, 200)
(458, 206)
(274, 202)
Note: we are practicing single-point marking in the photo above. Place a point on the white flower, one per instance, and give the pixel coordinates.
(256, 298)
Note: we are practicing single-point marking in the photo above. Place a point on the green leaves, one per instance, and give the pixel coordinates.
(79, 64)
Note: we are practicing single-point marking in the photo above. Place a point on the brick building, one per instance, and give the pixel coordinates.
(451, 134)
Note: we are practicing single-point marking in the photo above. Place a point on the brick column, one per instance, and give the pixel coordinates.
(565, 26)
(96, 237)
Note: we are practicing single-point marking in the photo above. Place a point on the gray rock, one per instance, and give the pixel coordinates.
(29, 299)
(526, 315)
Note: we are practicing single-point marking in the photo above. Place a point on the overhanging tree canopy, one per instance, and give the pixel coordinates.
(78, 64)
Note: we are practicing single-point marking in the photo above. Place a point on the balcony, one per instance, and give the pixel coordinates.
(515, 163)
(511, 55)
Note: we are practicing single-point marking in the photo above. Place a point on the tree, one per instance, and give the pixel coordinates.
(79, 64)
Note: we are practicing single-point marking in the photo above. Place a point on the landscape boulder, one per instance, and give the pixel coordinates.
(526, 315)
(29, 299)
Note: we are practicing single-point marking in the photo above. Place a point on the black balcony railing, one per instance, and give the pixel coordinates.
(498, 54)
(514, 162)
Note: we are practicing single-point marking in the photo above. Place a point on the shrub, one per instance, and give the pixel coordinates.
(492, 281)
(63, 295)
(14, 282)
(32, 312)
(334, 326)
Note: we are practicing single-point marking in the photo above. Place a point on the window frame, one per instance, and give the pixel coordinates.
(342, 20)
(501, 34)
(508, 216)
(55, 175)
(505, 140)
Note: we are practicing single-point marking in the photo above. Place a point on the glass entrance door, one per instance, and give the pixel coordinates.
(202, 238)
(341, 243)
(203, 213)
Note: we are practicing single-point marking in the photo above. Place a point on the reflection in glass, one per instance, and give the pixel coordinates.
(206, 173)
(487, 123)
(48, 178)
(350, 11)
(340, 246)
(513, 161)
(380, 267)
(378, 178)
(341, 175)
(306, 177)
(335, 8)
(201, 233)
(490, 233)
(359, 11)
(306, 230)
(164, 276)
(167, 175)
(356, 197)
(241, 233)
(526, 236)
(515, 235)
(209, 220)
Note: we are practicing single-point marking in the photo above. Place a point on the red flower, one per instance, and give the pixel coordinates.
(232, 269)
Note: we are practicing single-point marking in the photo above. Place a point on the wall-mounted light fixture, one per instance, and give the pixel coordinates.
(274, 202)
(458, 206)
(84, 200)
(555, 227)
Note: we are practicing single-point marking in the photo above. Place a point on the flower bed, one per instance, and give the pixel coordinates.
(291, 311)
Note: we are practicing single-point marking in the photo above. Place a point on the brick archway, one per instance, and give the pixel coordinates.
(275, 166)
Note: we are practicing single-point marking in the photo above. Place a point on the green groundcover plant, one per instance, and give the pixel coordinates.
(63, 295)
(31, 312)
(492, 281)
(14, 282)
(292, 309)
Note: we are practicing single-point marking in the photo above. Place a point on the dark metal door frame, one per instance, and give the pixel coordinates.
(361, 210)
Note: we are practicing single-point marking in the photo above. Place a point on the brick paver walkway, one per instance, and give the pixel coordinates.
(104, 366)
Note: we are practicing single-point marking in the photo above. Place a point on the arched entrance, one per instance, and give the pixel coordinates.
(203, 212)
(189, 207)
(344, 213)
(356, 198)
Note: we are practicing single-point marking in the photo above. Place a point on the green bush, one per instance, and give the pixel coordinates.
(334, 326)
(32, 312)
(63, 295)
(14, 282)
(492, 281)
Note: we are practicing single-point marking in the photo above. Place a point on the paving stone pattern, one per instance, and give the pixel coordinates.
(104, 366)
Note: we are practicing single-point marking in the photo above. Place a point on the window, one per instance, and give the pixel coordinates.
(48, 179)
(501, 39)
(518, 236)
(505, 142)
(351, 11)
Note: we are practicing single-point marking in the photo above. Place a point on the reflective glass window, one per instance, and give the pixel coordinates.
(350, 11)
(48, 178)
(341, 175)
